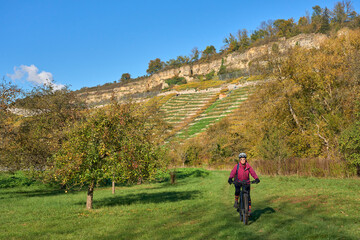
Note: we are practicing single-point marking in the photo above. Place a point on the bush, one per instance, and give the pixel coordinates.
(350, 146)
(175, 81)
(210, 75)
(8, 180)
(222, 69)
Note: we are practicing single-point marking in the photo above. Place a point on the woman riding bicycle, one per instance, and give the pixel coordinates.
(241, 173)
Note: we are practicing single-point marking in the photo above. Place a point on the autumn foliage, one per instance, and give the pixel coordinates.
(307, 111)
(119, 142)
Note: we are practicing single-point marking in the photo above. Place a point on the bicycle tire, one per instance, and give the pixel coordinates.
(246, 209)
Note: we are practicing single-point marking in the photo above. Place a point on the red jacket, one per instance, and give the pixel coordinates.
(243, 173)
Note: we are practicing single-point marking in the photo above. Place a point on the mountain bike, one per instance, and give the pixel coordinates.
(243, 206)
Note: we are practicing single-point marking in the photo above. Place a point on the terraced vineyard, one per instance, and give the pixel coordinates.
(192, 113)
(218, 110)
(182, 106)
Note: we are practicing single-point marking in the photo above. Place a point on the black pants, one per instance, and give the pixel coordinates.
(246, 188)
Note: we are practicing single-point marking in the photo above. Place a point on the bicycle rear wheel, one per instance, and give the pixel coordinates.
(246, 209)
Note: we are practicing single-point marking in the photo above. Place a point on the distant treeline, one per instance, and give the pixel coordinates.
(321, 20)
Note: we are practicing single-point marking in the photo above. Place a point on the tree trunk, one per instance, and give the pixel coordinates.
(90, 194)
(172, 177)
(325, 141)
(113, 184)
(279, 166)
(139, 181)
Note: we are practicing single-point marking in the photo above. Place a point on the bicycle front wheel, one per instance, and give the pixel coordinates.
(246, 209)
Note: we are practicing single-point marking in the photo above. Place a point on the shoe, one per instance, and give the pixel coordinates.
(236, 205)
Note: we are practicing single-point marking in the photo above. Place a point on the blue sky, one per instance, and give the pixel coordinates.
(87, 43)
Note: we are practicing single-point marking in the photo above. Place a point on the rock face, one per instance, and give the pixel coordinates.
(233, 61)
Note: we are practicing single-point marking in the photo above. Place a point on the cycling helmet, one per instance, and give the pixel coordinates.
(242, 155)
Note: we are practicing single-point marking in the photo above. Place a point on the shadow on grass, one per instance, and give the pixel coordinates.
(275, 225)
(194, 173)
(257, 213)
(185, 173)
(31, 193)
(144, 197)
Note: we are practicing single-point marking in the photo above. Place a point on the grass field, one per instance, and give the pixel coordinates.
(199, 206)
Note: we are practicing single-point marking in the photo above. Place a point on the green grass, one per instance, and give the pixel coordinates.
(199, 125)
(199, 206)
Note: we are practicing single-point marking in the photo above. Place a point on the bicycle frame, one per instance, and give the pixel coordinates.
(243, 207)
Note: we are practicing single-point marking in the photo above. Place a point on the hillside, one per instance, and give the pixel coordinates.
(235, 61)
(305, 121)
(301, 116)
(192, 108)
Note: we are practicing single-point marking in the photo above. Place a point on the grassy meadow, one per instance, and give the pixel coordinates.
(198, 206)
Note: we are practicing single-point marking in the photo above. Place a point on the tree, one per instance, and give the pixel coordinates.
(273, 148)
(36, 137)
(316, 18)
(243, 38)
(231, 44)
(258, 34)
(339, 14)
(268, 27)
(182, 60)
(8, 95)
(303, 21)
(342, 13)
(194, 56)
(116, 143)
(317, 11)
(155, 66)
(284, 28)
(325, 21)
(209, 51)
(125, 77)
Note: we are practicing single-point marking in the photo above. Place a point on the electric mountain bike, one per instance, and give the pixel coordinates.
(243, 206)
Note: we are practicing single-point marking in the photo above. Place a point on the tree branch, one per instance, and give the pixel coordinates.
(295, 117)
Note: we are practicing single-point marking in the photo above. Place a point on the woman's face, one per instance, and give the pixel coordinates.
(242, 160)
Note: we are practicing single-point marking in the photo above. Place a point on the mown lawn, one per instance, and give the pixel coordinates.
(199, 206)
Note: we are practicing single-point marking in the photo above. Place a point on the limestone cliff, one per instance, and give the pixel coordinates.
(233, 61)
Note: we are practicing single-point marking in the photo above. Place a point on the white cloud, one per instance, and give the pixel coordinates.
(34, 76)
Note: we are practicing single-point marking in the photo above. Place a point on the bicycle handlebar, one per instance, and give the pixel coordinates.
(244, 182)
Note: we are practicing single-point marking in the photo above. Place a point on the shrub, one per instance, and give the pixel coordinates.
(210, 75)
(222, 69)
(8, 180)
(175, 81)
(350, 146)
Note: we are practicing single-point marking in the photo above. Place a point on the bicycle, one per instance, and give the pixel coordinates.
(243, 206)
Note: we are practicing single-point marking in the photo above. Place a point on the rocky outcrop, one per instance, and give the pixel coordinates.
(239, 61)
(233, 61)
